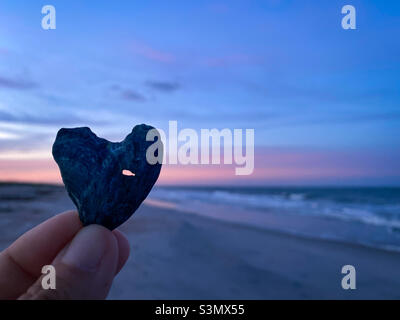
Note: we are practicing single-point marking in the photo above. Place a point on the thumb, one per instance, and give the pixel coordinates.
(85, 268)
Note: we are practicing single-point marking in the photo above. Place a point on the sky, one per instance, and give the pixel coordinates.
(324, 102)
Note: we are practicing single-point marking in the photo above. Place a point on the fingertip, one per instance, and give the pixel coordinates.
(85, 269)
(90, 246)
(124, 249)
(70, 217)
(40, 245)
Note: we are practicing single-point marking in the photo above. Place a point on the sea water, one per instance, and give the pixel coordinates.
(364, 215)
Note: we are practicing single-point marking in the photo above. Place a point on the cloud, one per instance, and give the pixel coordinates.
(297, 166)
(233, 60)
(340, 119)
(28, 170)
(132, 95)
(163, 86)
(25, 142)
(61, 119)
(152, 54)
(127, 94)
(280, 88)
(18, 84)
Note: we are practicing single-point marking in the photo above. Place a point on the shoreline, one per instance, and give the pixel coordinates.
(261, 220)
(259, 264)
(178, 255)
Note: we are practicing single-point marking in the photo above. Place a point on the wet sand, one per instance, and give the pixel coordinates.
(179, 255)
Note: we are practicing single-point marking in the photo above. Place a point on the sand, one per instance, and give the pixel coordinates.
(180, 255)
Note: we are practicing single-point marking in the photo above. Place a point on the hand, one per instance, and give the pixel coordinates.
(86, 259)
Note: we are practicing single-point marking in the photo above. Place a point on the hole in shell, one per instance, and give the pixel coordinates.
(128, 173)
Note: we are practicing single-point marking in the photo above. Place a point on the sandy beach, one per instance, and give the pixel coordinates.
(180, 255)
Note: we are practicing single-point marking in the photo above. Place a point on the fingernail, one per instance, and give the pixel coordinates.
(86, 249)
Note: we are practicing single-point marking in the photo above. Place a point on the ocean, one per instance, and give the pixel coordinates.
(363, 215)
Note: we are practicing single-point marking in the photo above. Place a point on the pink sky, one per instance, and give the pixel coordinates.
(272, 166)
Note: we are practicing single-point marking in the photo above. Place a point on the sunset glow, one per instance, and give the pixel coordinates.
(323, 101)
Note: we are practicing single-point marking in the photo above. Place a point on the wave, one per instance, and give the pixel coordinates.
(293, 201)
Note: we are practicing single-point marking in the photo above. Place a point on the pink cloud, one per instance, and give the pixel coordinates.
(150, 53)
(272, 166)
(38, 171)
(232, 59)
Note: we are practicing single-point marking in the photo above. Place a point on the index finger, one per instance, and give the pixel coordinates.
(22, 262)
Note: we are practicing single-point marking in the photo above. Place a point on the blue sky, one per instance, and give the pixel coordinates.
(285, 68)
